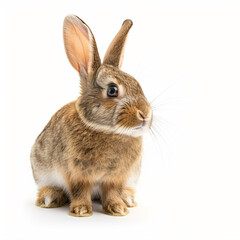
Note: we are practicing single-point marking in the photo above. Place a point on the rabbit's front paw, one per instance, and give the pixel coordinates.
(128, 197)
(129, 201)
(116, 209)
(81, 211)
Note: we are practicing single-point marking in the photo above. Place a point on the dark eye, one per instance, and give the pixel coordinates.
(112, 91)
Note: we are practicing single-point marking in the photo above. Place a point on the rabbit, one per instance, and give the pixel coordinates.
(91, 148)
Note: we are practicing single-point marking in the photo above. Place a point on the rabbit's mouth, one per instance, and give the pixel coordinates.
(142, 125)
(140, 129)
(137, 128)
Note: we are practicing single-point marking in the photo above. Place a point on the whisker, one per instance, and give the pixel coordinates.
(162, 120)
(160, 133)
(154, 138)
(162, 93)
(158, 105)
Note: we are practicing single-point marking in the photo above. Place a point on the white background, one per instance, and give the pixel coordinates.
(187, 51)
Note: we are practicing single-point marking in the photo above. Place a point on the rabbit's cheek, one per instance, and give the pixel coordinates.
(110, 103)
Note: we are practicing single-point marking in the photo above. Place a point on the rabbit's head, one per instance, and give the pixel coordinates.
(111, 100)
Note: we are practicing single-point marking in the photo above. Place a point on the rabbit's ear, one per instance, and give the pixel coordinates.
(80, 46)
(115, 52)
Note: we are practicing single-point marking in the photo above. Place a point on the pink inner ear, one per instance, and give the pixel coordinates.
(77, 45)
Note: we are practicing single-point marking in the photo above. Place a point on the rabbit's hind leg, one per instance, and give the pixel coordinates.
(51, 197)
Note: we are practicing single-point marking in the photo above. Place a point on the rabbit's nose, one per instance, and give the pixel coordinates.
(145, 118)
(140, 115)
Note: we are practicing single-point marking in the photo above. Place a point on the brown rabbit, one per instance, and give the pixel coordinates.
(92, 147)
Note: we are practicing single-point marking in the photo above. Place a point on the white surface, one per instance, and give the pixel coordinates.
(189, 50)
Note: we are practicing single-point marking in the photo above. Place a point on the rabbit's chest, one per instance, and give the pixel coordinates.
(109, 158)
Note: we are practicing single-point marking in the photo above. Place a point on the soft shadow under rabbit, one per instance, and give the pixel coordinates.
(92, 147)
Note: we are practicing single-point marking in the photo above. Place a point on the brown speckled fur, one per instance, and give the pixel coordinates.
(86, 155)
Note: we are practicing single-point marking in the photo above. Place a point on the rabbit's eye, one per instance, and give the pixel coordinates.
(112, 91)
